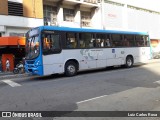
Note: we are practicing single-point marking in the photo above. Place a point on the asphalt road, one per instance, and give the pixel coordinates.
(117, 89)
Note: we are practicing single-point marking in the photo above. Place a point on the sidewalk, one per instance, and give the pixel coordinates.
(11, 75)
(154, 61)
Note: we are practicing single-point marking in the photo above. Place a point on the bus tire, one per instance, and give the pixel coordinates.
(129, 62)
(70, 69)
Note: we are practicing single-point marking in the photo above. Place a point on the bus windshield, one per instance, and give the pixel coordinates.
(32, 47)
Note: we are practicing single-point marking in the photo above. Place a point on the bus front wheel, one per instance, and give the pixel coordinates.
(70, 69)
(129, 62)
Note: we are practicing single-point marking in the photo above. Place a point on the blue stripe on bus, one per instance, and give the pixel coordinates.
(91, 30)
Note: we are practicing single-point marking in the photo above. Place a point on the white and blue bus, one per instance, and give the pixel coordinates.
(52, 50)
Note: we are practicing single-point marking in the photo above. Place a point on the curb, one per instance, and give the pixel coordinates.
(154, 61)
(13, 75)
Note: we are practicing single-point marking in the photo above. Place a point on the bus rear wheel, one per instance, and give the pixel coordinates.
(129, 62)
(70, 69)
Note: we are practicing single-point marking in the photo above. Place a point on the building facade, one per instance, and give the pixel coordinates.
(18, 16)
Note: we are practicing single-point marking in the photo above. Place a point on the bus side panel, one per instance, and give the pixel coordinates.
(145, 54)
(133, 51)
(115, 56)
(52, 64)
(140, 54)
(102, 56)
(85, 57)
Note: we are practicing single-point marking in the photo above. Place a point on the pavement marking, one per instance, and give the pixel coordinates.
(11, 83)
(158, 82)
(91, 99)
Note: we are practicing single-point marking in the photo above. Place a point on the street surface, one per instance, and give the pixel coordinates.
(117, 89)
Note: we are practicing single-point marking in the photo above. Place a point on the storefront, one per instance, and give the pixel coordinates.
(12, 48)
(155, 44)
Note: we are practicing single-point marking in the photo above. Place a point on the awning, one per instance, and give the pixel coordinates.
(10, 41)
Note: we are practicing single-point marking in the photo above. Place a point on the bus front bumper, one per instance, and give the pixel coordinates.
(34, 70)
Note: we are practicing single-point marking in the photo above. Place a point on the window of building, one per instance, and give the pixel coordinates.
(68, 14)
(15, 8)
(85, 19)
(50, 15)
(86, 40)
(91, 1)
(71, 40)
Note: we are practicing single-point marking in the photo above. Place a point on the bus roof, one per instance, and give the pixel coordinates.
(91, 30)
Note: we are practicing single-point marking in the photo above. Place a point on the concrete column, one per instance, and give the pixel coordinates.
(3, 7)
(60, 15)
(77, 18)
(125, 17)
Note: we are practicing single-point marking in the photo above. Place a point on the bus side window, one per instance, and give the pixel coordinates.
(146, 41)
(117, 40)
(71, 40)
(100, 40)
(51, 43)
(108, 44)
(91, 45)
(85, 40)
(82, 44)
(139, 41)
(46, 44)
(126, 42)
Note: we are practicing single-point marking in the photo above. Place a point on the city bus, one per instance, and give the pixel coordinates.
(63, 50)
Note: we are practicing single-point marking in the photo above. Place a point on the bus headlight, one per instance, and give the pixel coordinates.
(37, 63)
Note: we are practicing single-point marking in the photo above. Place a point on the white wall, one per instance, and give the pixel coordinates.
(144, 21)
(20, 1)
(123, 18)
(96, 21)
(20, 24)
(20, 21)
(15, 30)
(113, 16)
(148, 4)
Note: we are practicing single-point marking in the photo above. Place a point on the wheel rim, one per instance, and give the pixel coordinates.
(71, 69)
(129, 62)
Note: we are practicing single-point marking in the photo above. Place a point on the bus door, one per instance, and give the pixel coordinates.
(52, 60)
(52, 64)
